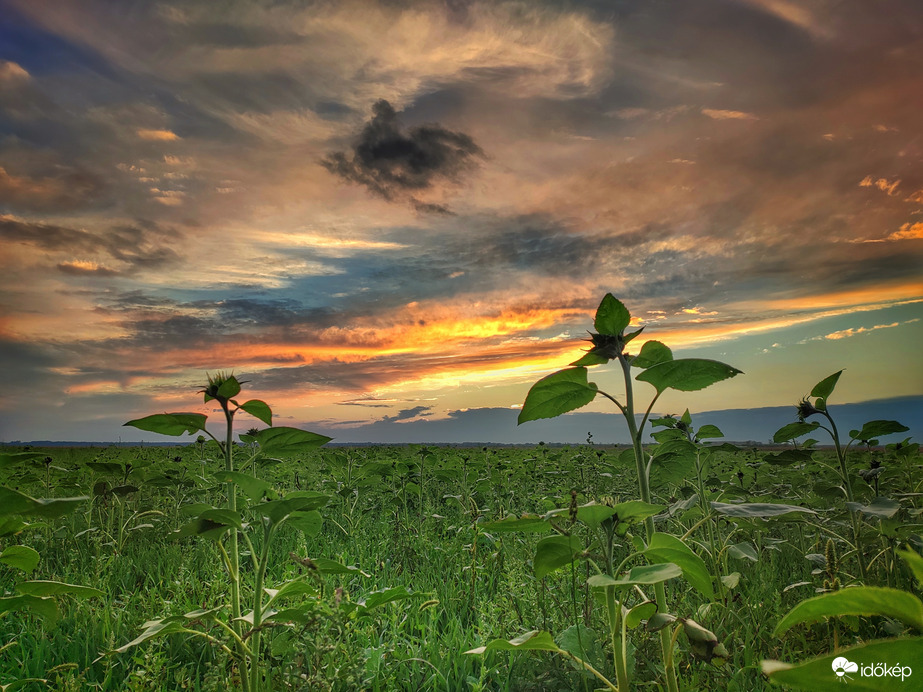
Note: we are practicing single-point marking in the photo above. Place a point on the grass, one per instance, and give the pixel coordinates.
(470, 585)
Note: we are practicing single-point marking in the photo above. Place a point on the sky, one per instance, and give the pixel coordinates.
(385, 213)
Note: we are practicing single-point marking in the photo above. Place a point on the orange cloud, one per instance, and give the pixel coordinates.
(728, 115)
(158, 135)
(11, 72)
(883, 184)
(908, 232)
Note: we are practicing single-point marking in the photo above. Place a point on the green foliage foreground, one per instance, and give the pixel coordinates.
(272, 563)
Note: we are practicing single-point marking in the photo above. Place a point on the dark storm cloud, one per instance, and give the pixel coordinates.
(393, 163)
(144, 246)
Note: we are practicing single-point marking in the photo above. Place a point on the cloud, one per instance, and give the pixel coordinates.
(68, 188)
(85, 268)
(908, 232)
(144, 246)
(728, 115)
(883, 184)
(408, 414)
(11, 72)
(158, 135)
(846, 333)
(793, 13)
(393, 164)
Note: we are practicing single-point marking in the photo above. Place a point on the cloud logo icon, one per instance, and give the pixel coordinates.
(841, 666)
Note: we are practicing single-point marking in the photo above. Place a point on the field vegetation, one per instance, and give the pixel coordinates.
(268, 561)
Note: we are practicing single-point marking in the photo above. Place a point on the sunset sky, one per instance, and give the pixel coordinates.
(385, 212)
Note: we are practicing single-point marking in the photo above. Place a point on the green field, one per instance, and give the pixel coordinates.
(417, 529)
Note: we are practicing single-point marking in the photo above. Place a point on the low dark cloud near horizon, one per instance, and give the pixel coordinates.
(394, 164)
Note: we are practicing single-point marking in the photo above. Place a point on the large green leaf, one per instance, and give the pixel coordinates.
(640, 612)
(914, 562)
(530, 641)
(793, 430)
(554, 552)
(818, 674)
(13, 502)
(174, 424)
(611, 316)
(291, 589)
(789, 456)
(211, 524)
(878, 428)
(278, 511)
(639, 576)
(43, 606)
(43, 587)
(686, 374)
(632, 511)
(15, 458)
(857, 600)
(744, 551)
(284, 440)
(376, 599)
(674, 461)
(590, 359)
(229, 387)
(254, 488)
(761, 510)
(709, 432)
(10, 525)
(21, 557)
(581, 642)
(524, 524)
(557, 393)
(664, 547)
(880, 507)
(590, 514)
(258, 409)
(652, 353)
(309, 523)
(152, 630)
(824, 388)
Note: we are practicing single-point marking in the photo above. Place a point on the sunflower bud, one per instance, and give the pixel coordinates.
(607, 346)
(221, 387)
(806, 408)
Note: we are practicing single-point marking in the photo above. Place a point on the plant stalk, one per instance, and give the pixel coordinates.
(660, 593)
